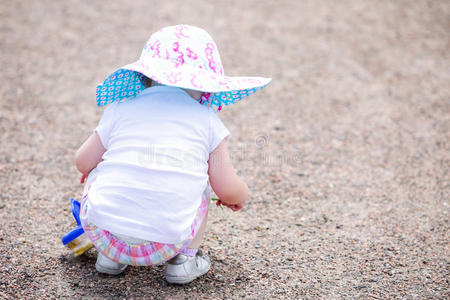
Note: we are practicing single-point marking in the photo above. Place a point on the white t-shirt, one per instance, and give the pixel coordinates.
(155, 168)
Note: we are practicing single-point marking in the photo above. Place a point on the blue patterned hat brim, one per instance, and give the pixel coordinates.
(126, 84)
(121, 85)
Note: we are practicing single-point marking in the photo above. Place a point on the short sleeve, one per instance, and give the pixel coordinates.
(218, 132)
(106, 123)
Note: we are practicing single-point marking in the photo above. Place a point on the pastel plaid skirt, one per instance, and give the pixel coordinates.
(139, 254)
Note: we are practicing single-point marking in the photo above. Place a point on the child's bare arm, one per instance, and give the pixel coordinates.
(90, 154)
(232, 191)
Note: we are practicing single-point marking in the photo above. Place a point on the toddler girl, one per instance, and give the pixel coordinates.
(156, 149)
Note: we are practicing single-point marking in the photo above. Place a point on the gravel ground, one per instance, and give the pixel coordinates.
(347, 152)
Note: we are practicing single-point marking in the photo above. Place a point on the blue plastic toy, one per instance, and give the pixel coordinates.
(76, 240)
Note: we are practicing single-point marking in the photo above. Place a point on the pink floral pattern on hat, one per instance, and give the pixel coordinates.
(183, 56)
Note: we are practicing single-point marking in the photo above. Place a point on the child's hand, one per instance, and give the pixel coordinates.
(83, 178)
(233, 207)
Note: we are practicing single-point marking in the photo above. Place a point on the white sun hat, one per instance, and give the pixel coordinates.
(183, 56)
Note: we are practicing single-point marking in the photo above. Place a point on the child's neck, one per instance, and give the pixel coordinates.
(194, 94)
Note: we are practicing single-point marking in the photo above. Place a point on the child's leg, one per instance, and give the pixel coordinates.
(191, 263)
(196, 242)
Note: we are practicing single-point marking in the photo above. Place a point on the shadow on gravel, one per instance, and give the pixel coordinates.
(91, 284)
